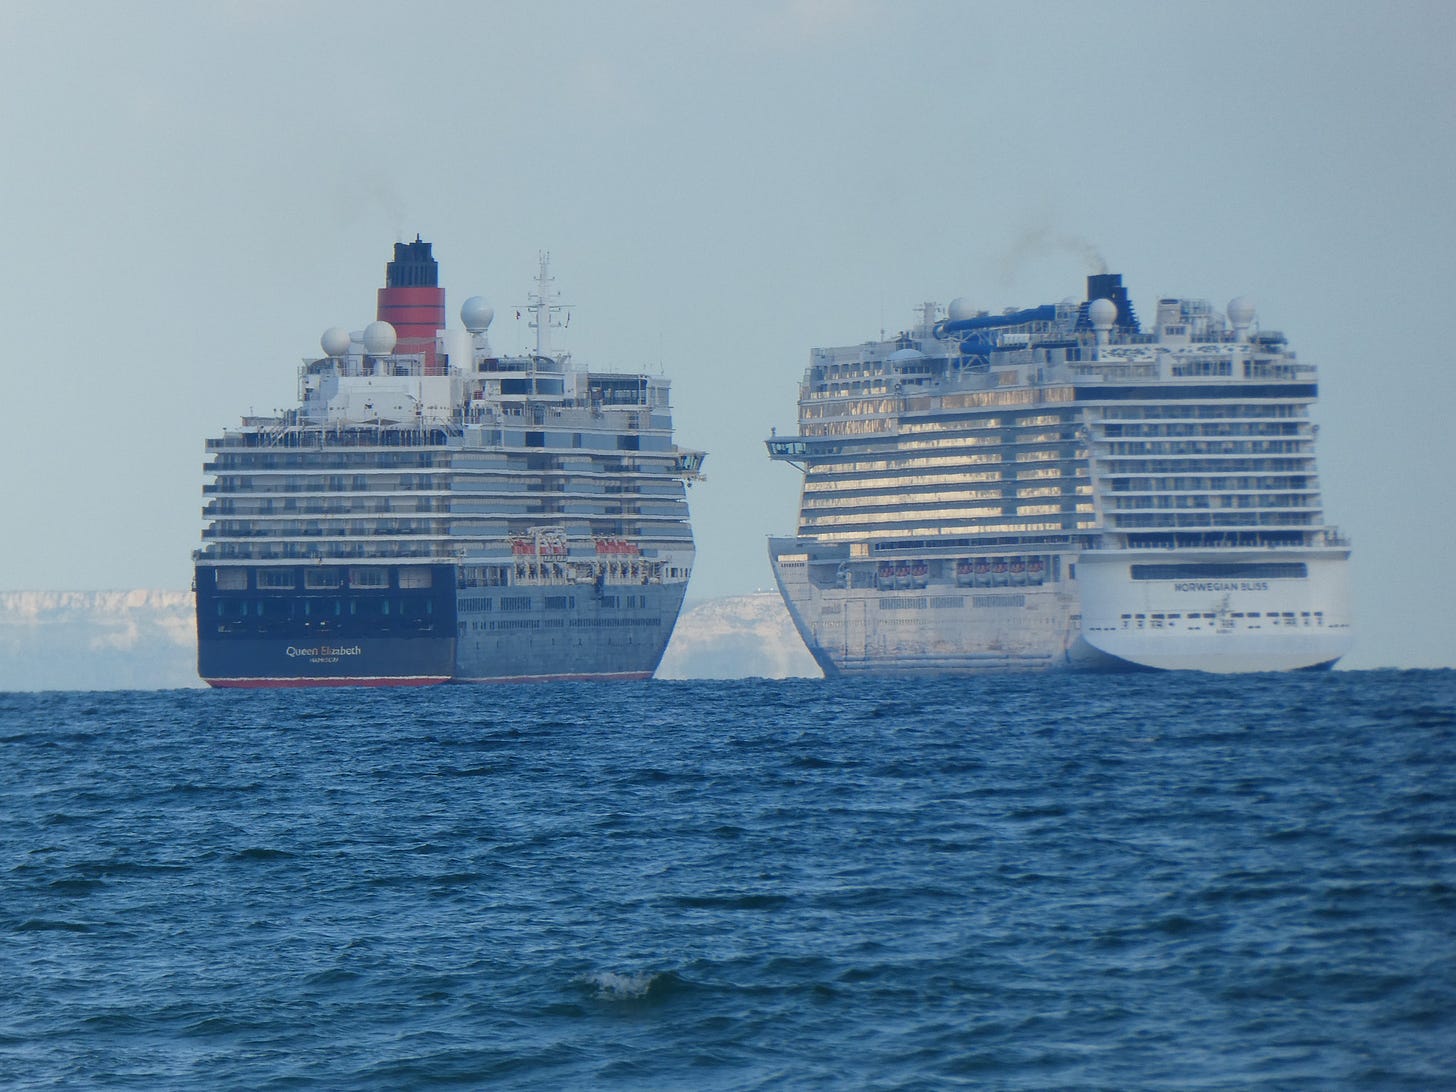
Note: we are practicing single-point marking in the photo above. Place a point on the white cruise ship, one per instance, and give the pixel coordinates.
(1056, 488)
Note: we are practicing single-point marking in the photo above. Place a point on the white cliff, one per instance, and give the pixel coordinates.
(737, 637)
(100, 640)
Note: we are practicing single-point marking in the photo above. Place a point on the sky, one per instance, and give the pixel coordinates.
(193, 192)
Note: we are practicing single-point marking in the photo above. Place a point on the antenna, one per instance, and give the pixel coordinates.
(544, 307)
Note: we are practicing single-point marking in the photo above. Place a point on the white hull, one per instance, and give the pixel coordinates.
(1225, 625)
(1089, 613)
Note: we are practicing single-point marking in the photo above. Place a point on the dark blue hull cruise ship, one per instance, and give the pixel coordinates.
(432, 512)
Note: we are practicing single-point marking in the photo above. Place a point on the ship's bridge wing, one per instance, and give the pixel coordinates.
(787, 448)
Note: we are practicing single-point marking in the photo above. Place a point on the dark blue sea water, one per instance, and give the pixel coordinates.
(1155, 881)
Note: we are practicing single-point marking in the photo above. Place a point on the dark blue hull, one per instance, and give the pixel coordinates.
(400, 627)
(359, 661)
(325, 626)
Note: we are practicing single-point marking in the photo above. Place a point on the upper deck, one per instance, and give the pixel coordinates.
(1062, 419)
(406, 445)
(1096, 351)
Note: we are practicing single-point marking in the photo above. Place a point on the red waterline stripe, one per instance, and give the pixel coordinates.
(621, 676)
(373, 680)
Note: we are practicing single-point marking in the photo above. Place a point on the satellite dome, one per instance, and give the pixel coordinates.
(379, 338)
(1101, 314)
(1241, 311)
(960, 309)
(335, 341)
(476, 314)
(907, 354)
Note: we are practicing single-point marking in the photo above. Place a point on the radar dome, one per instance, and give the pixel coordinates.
(335, 341)
(960, 309)
(1101, 314)
(476, 314)
(906, 354)
(1241, 311)
(379, 338)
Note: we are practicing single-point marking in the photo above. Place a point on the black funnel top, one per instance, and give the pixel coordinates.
(413, 267)
(1108, 286)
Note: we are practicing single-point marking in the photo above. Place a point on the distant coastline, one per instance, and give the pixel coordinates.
(145, 639)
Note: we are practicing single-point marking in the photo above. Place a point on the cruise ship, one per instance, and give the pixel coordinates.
(1057, 488)
(435, 512)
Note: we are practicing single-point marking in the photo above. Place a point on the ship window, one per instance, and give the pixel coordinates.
(319, 578)
(416, 576)
(276, 578)
(231, 579)
(535, 439)
(1222, 571)
(369, 577)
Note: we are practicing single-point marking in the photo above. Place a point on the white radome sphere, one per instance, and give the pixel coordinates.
(960, 309)
(379, 338)
(335, 341)
(1241, 310)
(476, 314)
(1101, 314)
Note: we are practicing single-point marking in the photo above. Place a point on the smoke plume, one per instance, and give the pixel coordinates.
(1042, 241)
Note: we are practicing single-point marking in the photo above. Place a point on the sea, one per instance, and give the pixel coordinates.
(1156, 881)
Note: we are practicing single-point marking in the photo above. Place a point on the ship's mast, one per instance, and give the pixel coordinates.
(544, 307)
(928, 311)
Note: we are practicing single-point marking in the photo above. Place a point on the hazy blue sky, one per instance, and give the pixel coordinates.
(192, 192)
